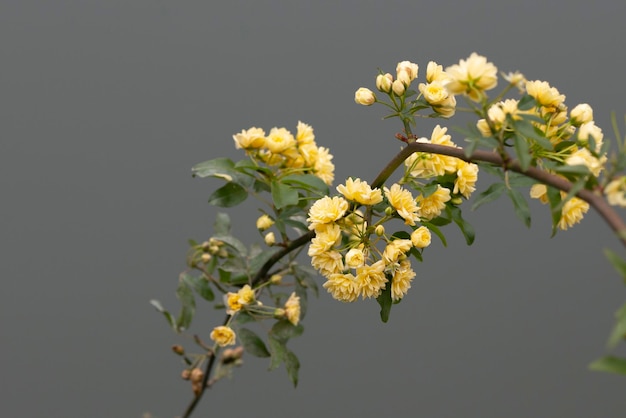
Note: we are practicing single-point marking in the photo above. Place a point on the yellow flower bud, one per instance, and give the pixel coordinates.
(205, 258)
(398, 87)
(270, 239)
(264, 222)
(223, 336)
(582, 113)
(276, 279)
(421, 237)
(383, 82)
(364, 97)
(380, 230)
(196, 375)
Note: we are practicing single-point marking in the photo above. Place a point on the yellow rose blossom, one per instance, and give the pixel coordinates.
(264, 222)
(544, 94)
(252, 138)
(435, 93)
(409, 68)
(589, 129)
(401, 281)
(421, 237)
(582, 113)
(246, 295)
(342, 287)
(279, 140)
(539, 191)
(430, 207)
(434, 72)
(516, 79)
(383, 82)
(292, 309)
(472, 76)
(309, 153)
(583, 156)
(360, 192)
(403, 202)
(323, 167)
(327, 263)
(572, 212)
(447, 108)
(223, 336)
(466, 177)
(327, 210)
(304, 134)
(371, 279)
(231, 300)
(615, 192)
(484, 128)
(396, 249)
(355, 257)
(326, 236)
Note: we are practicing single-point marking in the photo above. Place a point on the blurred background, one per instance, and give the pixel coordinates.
(106, 105)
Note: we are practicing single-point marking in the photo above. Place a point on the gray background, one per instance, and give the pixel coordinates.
(105, 106)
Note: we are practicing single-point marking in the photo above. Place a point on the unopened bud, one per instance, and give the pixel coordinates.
(186, 374)
(388, 210)
(383, 82)
(398, 87)
(196, 375)
(380, 230)
(205, 245)
(270, 239)
(206, 257)
(276, 278)
(456, 200)
(178, 349)
(364, 97)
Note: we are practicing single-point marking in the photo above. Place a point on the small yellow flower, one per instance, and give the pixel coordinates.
(472, 76)
(383, 82)
(539, 191)
(401, 281)
(323, 167)
(223, 336)
(615, 192)
(327, 210)
(276, 278)
(231, 300)
(326, 236)
(398, 87)
(360, 192)
(403, 202)
(435, 93)
(365, 97)
(572, 212)
(328, 263)
(409, 68)
(544, 94)
(396, 249)
(342, 287)
(430, 207)
(447, 109)
(279, 140)
(292, 309)
(355, 258)
(252, 138)
(466, 177)
(264, 222)
(434, 72)
(589, 129)
(582, 113)
(304, 134)
(421, 237)
(583, 156)
(246, 295)
(371, 280)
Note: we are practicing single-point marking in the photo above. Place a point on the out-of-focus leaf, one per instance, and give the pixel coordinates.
(201, 285)
(188, 305)
(168, 316)
(222, 224)
(492, 193)
(526, 102)
(283, 330)
(554, 199)
(523, 152)
(308, 182)
(520, 206)
(218, 167)
(530, 131)
(278, 350)
(293, 366)
(436, 231)
(233, 243)
(305, 276)
(618, 263)
(252, 343)
(610, 364)
(283, 195)
(464, 226)
(229, 195)
(619, 329)
(243, 317)
(578, 169)
(384, 300)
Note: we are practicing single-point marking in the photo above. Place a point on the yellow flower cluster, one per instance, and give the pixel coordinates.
(279, 148)
(345, 250)
(235, 301)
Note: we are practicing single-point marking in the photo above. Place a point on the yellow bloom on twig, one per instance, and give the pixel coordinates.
(223, 336)
(292, 309)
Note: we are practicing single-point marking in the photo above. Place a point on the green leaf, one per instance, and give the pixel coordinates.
(520, 206)
(201, 285)
(306, 277)
(609, 364)
(577, 169)
(230, 194)
(530, 131)
(619, 329)
(554, 198)
(293, 366)
(526, 102)
(466, 228)
(222, 224)
(385, 302)
(168, 316)
(243, 317)
(188, 308)
(283, 195)
(492, 193)
(436, 231)
(618, 263)
(306, 181)
(283, 330)
(278, 350)
(218, 167)
(233, 243)
(252, 343)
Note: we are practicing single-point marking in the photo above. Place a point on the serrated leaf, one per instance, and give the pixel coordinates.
(520, 206)
(293, 366)
(526, 102)
(283, 330)
(617, 262)
(385, 302)
(528, 130)
(307, 181)
(188, 305)
(229, 195)
(201, 286)
(609, 364)
(522, 151)
(252, 343)
(168, 316)
(277, 350)
(283, 195)
(217, 167)
(492, 193)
